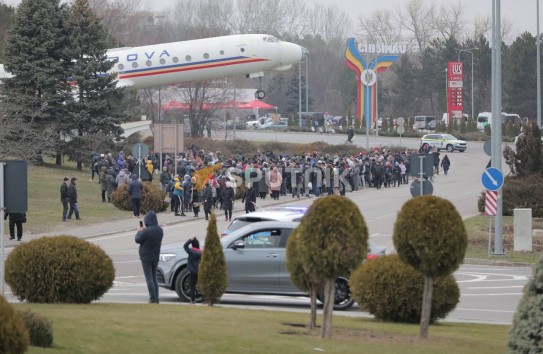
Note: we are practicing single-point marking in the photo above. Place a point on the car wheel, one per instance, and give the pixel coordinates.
(461, 150)
(450, 148)
(182, 286)
(343, 300)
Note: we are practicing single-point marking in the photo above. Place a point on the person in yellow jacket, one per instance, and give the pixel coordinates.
(150, 168)
(178, 196)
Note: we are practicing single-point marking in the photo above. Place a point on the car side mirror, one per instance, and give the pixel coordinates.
(239, 244)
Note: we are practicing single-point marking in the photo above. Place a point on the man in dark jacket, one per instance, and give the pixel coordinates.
(64, 197)
(193, 262)
(150, 240)
(208, 200)
(135, 189)
(15, 219)
(72, 198)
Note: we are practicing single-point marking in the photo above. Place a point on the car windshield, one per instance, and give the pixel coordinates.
(449, 137)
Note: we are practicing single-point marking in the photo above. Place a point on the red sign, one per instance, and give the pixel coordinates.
(491, 203)
(455, 90)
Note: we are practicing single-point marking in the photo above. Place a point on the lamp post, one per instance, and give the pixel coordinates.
(470, 51)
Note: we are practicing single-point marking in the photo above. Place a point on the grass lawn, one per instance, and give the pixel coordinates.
(477, 229)
(134, 328)
(44, 206)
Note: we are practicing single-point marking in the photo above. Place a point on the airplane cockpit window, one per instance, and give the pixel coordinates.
(272, 39)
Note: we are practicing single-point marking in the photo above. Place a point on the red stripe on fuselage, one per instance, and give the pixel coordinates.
(169, 71)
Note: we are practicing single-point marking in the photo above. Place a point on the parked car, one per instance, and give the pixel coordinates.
(250, 268)
(444, 142)
(423, 122)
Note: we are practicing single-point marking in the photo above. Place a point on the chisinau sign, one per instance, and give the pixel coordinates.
(358, 60)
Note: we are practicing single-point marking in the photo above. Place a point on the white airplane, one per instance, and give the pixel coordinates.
(201, 59)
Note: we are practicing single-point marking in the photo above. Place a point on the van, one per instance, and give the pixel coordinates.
(423, 122)
(485, 118)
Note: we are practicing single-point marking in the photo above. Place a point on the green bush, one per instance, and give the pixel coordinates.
(525, 333)
(391, 290)
(39, 329)
(13, 334)
(59, 269)
(520, 192)
(152, 198)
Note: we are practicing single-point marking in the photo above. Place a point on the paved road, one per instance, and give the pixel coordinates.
(489, 294)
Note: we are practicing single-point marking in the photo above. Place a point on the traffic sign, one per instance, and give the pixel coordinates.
(491, 203)
(492, 179)
(487, 147)
(400, 129)
(400, 121)
(427, 188)
(140, 151)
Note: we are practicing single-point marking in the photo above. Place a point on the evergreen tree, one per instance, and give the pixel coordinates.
(293, 103)
(404, 97)
(37, 94)
(519, 81)
(212, 274)
(525, 334)
(6, 16)
(528, 157)
(97, 108)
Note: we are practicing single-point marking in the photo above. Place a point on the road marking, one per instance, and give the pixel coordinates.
(502, 294)
(482, 310)
(495, 287)
(375, 235)
(385, 216)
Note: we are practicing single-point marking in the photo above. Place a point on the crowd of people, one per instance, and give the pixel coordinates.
(264, 173)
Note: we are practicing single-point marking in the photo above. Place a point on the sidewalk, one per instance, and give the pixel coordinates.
(129, 224)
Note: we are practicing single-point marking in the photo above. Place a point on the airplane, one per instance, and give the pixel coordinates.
(201, 59)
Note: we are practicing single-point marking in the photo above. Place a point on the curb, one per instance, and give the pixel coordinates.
(489, 262)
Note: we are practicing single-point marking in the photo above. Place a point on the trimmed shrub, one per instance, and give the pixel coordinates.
(59, 269)
(13, 334)
(391, 290)
(39, 329)
(525, 333)
(520, 192)
(152, 198)
(212, 274)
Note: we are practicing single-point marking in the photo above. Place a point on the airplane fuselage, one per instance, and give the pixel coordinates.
(201, 59)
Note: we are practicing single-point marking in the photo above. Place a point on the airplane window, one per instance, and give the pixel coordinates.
(175, 59)
(188, 58)
(206, 56)
(121, 66)
(134, 65)
(222, 52)
(242, 49)
(148, 63)
(162, 61)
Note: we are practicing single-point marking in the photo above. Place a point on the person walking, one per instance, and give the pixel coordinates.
(150, 239)
(208, 200)
(15, 220)
(178, 196)
(195, 254)
(350, 134)
(228, 196)
(103, 182)
(165, 178)
(249, 198)
(445, 164)
(135, 189)
(64, 197)
(72, 198)
(436, 159)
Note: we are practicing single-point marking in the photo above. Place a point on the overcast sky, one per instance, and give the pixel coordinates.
(522, 13)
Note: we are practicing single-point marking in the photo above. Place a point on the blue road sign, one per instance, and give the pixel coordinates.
(492, 179)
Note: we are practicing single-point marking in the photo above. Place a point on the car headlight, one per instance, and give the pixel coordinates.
(165, 257)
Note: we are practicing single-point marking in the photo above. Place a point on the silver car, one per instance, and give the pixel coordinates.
(255, 260)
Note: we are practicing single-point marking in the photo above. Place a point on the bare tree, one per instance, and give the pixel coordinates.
(329, 23)
(380, 27)
(417, 19)
(449, 22)
(22, 140)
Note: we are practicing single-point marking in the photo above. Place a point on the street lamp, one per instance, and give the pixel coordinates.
(470, 51)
